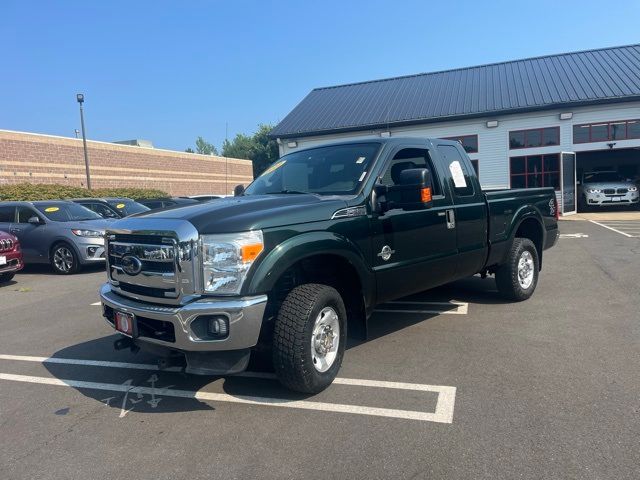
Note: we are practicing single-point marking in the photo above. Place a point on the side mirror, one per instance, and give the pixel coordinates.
(238, 191)
(578, 182)
(35, 221)
(414, 191)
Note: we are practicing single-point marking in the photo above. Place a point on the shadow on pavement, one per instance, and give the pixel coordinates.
(472, 290)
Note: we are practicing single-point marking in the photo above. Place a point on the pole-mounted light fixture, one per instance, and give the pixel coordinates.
(80, 99)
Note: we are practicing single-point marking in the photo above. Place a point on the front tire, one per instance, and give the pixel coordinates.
(6, 277)
(64, 260)
(517, 278)
(309, 338)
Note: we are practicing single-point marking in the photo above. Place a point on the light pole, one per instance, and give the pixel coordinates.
(80, 99)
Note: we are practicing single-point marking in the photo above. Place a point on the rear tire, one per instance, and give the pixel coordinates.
(309, 338)
(517, 278)
(64, 260)
(6, 277)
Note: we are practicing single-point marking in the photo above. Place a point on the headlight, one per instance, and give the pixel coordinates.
(88, 233)
(633, 189)
(593, 190)
(226, 259)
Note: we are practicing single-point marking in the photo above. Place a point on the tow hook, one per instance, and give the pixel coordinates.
(126, 342)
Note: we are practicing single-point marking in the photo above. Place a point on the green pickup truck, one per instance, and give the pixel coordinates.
(300, 259)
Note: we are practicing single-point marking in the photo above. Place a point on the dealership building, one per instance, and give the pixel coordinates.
(525, 123)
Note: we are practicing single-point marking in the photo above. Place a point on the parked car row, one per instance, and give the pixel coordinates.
(66, 234)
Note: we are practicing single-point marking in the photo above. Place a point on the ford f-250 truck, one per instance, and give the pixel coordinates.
(305, 253)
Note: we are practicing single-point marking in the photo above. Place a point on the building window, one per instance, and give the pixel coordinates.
(535, 171)
(605, 131)
(469, 142)
(537, 137)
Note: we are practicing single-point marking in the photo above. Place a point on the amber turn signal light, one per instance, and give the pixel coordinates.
(425, 195)
(251, 252)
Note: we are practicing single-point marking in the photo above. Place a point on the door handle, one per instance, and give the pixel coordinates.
(16, 230)
(451, 219)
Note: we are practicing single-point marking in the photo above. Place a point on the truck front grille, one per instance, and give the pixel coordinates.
(152, 267)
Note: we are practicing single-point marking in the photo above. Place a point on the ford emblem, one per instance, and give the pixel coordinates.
(131, 265)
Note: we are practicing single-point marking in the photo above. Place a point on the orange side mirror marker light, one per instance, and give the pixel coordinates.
(425, 195)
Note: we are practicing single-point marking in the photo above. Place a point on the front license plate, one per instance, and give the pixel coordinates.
(3, 260)
(616, 199)
(124, 323)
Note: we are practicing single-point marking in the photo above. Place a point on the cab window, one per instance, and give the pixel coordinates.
(406, 159)
(25, 213)
(461, 177)
(7, 214)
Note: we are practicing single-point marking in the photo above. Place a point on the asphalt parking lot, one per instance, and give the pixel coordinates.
(452, 383)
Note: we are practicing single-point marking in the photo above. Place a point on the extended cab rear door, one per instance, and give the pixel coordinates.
(412, 250)
(469, 219)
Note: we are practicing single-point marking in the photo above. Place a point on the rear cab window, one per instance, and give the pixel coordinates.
(460, 177)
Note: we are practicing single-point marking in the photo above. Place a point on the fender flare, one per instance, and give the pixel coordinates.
(525, 213)
(265, 274)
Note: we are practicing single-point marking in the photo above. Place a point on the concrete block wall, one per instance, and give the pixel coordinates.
(35, 158)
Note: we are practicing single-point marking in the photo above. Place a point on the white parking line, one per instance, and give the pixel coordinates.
(611, 228)
(443, 411)
(461, 308)
(574, 235)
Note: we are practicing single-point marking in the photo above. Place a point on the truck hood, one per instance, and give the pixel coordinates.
(251, 212)
(603, 185)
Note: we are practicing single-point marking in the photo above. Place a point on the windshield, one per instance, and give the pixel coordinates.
(128, 207)
(66, 212)
(331, 170)
(602, 177)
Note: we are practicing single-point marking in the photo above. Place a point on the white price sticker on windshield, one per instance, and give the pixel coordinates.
(458, 175)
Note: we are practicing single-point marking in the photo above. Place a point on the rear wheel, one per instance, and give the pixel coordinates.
(309, 338)
(517, 278)
(64, 260)
(6, 277)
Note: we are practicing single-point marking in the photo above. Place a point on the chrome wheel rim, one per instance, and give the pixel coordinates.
(525, 269)
(325, 339)
(63, 259)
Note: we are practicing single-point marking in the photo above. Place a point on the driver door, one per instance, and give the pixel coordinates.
(413, 250)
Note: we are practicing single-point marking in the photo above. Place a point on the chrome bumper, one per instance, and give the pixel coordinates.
(244, 314)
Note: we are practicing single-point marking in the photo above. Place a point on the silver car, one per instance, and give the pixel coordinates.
(64, 234)
(601, 189)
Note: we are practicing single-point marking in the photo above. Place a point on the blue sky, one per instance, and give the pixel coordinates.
(169, 71)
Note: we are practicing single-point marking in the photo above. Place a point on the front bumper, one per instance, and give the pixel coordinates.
(91, 249)
(13, 262)
(175, 332)
(611, 200)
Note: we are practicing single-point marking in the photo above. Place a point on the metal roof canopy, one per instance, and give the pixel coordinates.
(570, 79)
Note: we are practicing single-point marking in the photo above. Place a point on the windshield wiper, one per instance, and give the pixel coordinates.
(293, 192)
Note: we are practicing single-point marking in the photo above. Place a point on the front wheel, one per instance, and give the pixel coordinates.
(517, 278)
(309, 338)
(6, 277)
(64, 260)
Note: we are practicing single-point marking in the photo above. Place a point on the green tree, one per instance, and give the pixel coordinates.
(205, 148)
(259, 148)
(189, 150)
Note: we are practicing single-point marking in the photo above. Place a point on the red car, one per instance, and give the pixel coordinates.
(10, 256)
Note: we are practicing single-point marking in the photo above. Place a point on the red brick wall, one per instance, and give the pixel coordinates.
(26, 157)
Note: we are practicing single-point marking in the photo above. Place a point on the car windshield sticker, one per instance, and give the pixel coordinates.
(120, 205)
(458, 176)
(51, 209)
(361, 159)
(362, 176)
(275, 166)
